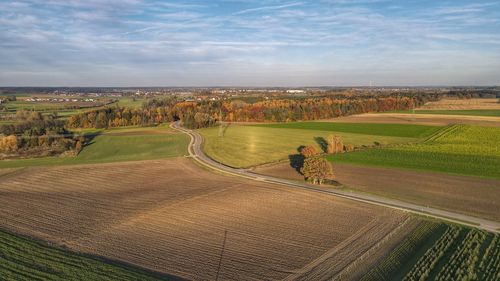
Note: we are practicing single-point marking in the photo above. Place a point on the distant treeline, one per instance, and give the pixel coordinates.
(207, 113)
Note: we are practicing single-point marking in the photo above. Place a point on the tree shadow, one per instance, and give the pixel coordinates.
(223, 128)
(297, 160)
(89, 138)
(322, 143)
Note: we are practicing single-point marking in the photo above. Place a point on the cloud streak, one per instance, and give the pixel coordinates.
(247, 42)
(268, 8)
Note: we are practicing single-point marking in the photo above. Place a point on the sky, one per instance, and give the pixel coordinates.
(249, 43)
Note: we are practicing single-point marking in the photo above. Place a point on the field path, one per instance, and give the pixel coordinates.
(196, 152)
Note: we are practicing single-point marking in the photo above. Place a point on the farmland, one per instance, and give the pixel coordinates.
(129, 205)
(25, 103)
(467, 150)
(389, 130)
(465, 112)
(467, 107)
(26, 259)
(438, 251)
(245, 146)
(118, 145)
(130, 102)
(418, 119)
(462, 104)
(475, 196)
(179, 219)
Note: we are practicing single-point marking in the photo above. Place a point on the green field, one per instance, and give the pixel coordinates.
(438, 251)
(245, 146)
(26, 259)
(469, 112)
(131, 102)
(37, 106)
(118, 145)
(401, 260)
(390, 130)
(460, 149)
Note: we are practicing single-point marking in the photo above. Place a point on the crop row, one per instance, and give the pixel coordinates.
(428, 261)
(390, 265)
(464, 260)
(490, 264)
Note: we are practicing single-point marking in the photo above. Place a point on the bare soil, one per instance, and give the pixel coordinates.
(174, 217)
(468, 195)
(422, 119)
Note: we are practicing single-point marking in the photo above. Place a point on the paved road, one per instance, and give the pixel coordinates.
(196, 152)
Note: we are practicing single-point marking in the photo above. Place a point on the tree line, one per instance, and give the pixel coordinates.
(207, 113)
(37, 135)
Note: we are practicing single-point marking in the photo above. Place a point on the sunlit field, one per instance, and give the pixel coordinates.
(245, 146)
(118, 145)
(460, 149)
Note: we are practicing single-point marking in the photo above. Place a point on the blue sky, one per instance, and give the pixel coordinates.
(249, 43)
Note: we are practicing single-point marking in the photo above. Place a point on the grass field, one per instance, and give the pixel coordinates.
(118, 145)
(175, 217)
(438, 251)
(467, 112)
(130, 102)
(390, 130)
(26, 259)
(460, 149)
(245, 146)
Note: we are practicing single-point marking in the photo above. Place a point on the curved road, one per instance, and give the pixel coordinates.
(196, 152)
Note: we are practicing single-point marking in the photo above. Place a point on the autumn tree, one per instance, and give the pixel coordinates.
(316, 169)
(308, 151)
(348, 147)
(335, 144)
(8, 143)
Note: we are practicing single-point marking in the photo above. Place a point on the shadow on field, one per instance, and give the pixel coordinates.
(322, 143)
(297, 160)
(42, 244)
(89, 138)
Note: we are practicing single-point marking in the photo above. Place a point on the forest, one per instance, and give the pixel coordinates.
(207, 113)
(37, 135)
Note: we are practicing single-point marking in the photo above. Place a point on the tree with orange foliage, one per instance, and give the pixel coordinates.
(308, 151)
(316, 169)
(8, 143)
(335, 144)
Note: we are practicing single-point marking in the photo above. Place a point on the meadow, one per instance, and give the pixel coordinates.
(130, 102)
(439, 251)
(460, 149)
(246, 146)
(390, 130)
(26, 259)
(115, 145)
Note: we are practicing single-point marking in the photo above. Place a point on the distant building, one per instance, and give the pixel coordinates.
(295, 91)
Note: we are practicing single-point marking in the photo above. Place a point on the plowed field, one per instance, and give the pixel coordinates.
(174, 217)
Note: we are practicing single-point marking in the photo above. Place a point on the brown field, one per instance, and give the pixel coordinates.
(422, 119)
(171, 216)
(461, 104)
(468, 195)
